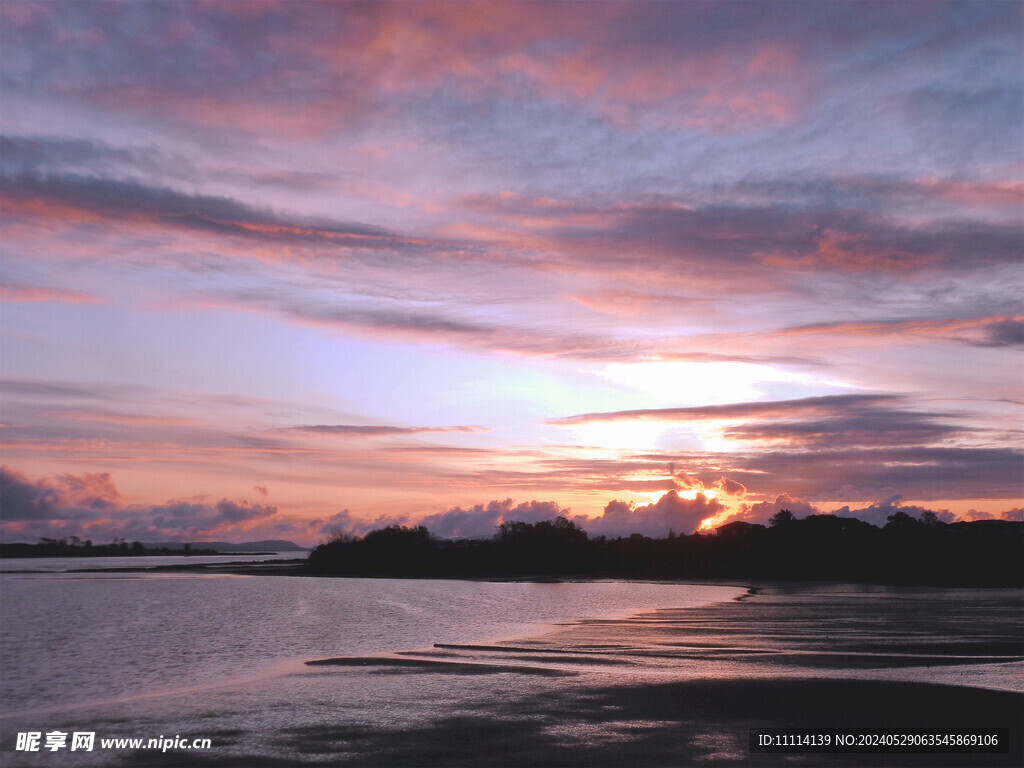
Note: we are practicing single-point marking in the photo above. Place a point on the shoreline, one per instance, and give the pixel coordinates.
(664, 725)
(660, 689)
(298, 567)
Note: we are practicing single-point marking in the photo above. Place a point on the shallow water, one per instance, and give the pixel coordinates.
(65, 564)
(73, 639)
(419, 672)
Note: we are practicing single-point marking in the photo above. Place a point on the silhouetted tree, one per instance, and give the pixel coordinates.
(901, 521)
(818, 547)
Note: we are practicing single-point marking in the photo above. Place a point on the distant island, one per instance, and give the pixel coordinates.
(906, 550)
(229, 548)
(75, 547)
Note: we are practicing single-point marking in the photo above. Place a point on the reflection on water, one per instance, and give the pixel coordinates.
(65, 564)
(476, 673)
(74, 638)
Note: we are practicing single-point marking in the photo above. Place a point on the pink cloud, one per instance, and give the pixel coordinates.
(730, 487)
(671, 513)
(327, 66)
(116, 418)
(850, 252)
(481, 520)
(16, 293)
(89, 506)
(878, 514)
(980, 193)
(763, 511)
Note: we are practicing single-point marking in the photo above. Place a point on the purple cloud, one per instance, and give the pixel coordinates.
(90, 506)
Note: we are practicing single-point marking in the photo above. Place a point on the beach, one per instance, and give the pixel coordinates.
(664, 687)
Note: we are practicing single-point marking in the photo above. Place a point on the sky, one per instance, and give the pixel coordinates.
(282, 269)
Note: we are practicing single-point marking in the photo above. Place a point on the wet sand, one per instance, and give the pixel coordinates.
(671, 724)
(667, 688)
(813, 656)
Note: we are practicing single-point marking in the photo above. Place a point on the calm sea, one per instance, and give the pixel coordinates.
(64, 564)
(137, 655)
(74, 639)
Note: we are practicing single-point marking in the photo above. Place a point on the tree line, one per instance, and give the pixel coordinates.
(907, 550)
(72, 546)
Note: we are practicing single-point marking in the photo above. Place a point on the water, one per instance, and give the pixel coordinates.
(65, 564)
(437, 672)
(71, 639)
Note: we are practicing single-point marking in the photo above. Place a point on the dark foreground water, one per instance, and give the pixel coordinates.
(429, 673)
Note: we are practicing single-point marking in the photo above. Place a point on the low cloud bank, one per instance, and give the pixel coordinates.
(670, 514)
(89, 506)
(478, 521)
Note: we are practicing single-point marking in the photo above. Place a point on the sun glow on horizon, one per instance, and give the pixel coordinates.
(684, 384)
(447, 295)
(620, 435)
(692, 493)
(710, 523)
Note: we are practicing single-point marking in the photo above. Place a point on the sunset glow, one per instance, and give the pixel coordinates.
(275, 269)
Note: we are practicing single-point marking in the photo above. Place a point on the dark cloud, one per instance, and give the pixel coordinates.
(124, 200)
(918, 472)
(816, 473)
(831, 420)
(46, 155)
(1004, 333)
(768, 409)
(811, 239)
(396, 318)
(30, 156)
(874, 427)
(986, 331)
(754, 241)
(880, 194)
